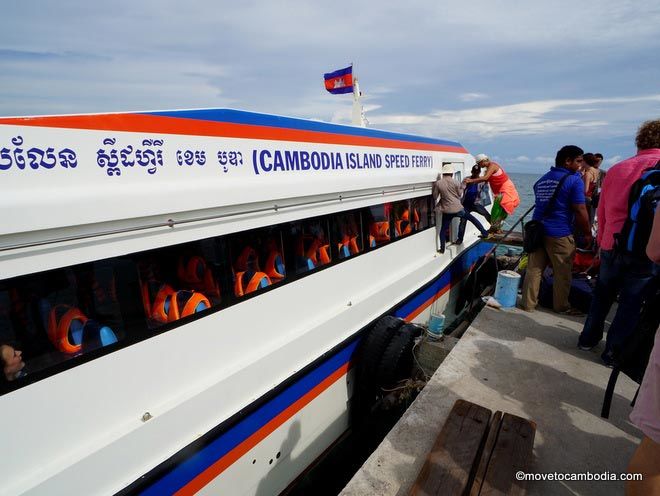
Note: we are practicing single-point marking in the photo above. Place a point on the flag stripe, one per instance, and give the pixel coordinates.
(338, 73)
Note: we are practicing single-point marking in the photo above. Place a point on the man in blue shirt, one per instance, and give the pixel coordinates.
(557, 218)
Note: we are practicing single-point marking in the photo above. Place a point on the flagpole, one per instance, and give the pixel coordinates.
(358, 112)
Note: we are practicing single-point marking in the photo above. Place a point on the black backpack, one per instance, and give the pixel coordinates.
(634, 355)
(642, 202)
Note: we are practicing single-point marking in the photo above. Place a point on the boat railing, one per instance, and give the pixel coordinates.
(500, 240)
(507, 237)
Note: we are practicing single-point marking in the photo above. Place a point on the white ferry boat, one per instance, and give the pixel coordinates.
(188, 288)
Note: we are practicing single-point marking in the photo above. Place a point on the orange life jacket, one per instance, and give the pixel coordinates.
(348, 246)
(59, 324)
(318, 253)
(381, 231)
(275, 268)
(184, 303)
(154, 296)
(402, 224)
(249, 281)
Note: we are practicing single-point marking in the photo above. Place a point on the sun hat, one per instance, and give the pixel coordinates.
(448, 169)
(480, 157)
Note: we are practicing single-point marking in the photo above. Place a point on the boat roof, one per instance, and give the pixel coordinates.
(230, 122)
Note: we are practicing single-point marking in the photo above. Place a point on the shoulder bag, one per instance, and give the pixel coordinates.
(533, 230)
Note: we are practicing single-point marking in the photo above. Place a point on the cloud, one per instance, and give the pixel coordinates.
(422, 65)
(527, 118)
(470, 97)
(612, 160)
(522, 158)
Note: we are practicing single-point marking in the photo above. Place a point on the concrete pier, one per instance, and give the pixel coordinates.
(526, 364)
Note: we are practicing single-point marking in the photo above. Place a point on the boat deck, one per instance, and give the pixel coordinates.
(526, 364)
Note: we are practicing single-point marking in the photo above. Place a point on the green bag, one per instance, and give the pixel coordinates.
(497, 213)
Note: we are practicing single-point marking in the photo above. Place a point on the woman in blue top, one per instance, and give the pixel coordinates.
(473, 197)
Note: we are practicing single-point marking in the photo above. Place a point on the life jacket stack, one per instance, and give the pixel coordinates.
(348, 246)
(247, 276)
(317, 254)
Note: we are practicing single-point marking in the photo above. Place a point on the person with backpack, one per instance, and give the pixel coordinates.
(646, 414)
(625, 269)
(559, 198)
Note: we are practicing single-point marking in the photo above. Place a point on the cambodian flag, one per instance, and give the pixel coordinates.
(340, 81)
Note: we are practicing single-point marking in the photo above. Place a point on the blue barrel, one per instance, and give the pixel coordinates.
(506, 288)
(436, 325)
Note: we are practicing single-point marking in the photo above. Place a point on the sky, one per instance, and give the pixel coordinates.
(515, 80)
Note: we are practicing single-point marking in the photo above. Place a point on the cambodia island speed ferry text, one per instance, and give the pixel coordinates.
(188, 288)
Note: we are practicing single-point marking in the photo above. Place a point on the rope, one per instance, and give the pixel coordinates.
(426, 376)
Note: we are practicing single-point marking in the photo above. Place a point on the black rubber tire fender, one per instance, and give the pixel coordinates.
(397, 359)
(368, 357)
(372, 348)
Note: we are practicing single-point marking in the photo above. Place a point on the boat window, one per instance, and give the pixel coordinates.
(421, 212)
(257, 260)
(180, 281)
(378, 221)
(404, 218)
(56, 317)
(309, 243)
(346, 229)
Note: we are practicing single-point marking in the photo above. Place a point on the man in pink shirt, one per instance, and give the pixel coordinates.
(620, 272)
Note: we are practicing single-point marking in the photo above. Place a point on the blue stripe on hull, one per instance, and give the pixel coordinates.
(455, 271)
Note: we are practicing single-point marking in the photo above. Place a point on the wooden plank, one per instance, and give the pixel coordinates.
(447, 468)
(512, 453)
(486, 453)
(513, 239)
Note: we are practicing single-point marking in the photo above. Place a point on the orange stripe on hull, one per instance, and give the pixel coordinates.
(144, 123)
(226, 461)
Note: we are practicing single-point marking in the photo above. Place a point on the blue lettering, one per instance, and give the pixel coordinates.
(316, 161)
(265, 166)
(291, 160)
(278, 163)
(254, 162)
(338, 163)
(304, 161)
(325, 161)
